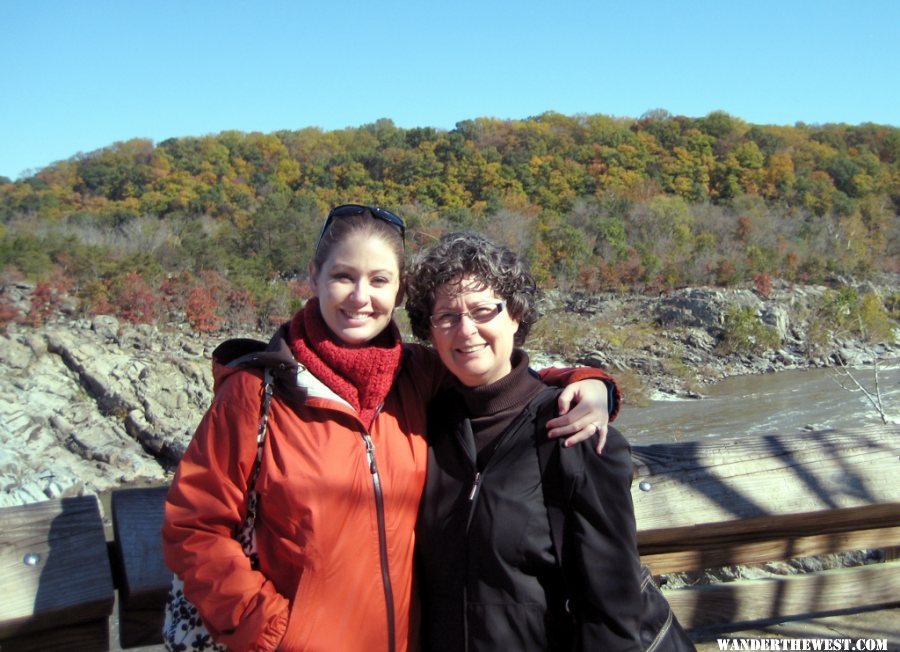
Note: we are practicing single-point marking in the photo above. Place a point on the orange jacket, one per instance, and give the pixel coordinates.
(323, 530)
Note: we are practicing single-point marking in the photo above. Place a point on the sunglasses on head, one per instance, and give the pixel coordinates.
(351, 210)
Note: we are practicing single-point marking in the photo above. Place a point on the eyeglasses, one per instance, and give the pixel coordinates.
(351, 210)
(479, 314)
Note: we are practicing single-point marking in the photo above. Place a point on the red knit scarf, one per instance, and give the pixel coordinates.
(361, 375)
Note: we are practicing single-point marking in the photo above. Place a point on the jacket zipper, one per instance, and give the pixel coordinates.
(382, 537)
(475, 484)
(479, 474)
(473, 495)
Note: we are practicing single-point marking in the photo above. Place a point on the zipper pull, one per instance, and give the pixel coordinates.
(475, 484)
(370, 453)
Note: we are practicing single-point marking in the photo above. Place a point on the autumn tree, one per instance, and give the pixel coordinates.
(134, 300)
(201, 310)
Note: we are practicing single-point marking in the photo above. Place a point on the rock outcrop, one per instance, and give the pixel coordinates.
(691, 324)
(90, 405)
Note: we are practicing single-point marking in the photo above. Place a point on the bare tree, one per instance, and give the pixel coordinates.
(875, 397)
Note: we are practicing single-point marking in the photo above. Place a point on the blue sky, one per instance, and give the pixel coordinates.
(79, 75)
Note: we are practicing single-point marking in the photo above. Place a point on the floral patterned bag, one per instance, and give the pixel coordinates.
(183, 628)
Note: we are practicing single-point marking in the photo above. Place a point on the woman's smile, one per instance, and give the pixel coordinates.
(356, 316)
(472, 348)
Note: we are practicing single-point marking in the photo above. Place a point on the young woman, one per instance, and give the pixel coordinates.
(343, 464)
(489, 576)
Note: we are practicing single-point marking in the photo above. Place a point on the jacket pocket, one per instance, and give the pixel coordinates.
(303, 618)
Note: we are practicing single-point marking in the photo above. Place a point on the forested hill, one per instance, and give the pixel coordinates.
(218, 226)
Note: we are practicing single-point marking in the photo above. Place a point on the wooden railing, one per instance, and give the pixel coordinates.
(699, 505)
(703, 505)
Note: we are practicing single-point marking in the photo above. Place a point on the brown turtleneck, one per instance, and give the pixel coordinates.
(491, 408)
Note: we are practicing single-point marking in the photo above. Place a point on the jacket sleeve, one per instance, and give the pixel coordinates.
(204, 506)
(563, 376)
(604, 566)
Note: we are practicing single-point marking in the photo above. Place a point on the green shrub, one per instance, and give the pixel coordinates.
(846, 312)
(745, 333)
(875, 323)
(841, 309)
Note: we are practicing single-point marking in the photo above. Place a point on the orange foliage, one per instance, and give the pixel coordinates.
(135, 301)
(200, 310)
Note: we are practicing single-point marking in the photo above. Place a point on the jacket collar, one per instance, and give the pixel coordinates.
(245, 353)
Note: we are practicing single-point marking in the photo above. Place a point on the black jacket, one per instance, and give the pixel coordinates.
(487, 571)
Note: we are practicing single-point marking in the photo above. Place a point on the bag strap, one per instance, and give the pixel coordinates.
(551, 482)
(268, 389)
(262, 429)
(557, 490)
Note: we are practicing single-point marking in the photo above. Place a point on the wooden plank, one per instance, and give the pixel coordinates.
(137, 516)
(690, 483)
(772, 550)
(69, 581)
(769, 527)
(770, 600)
(769, 538)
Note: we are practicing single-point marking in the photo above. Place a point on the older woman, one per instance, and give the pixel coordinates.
(488, 572)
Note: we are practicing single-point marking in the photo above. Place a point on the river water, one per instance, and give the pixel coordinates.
(776, 403)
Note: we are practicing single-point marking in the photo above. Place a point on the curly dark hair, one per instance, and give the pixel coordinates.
(461, 254)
